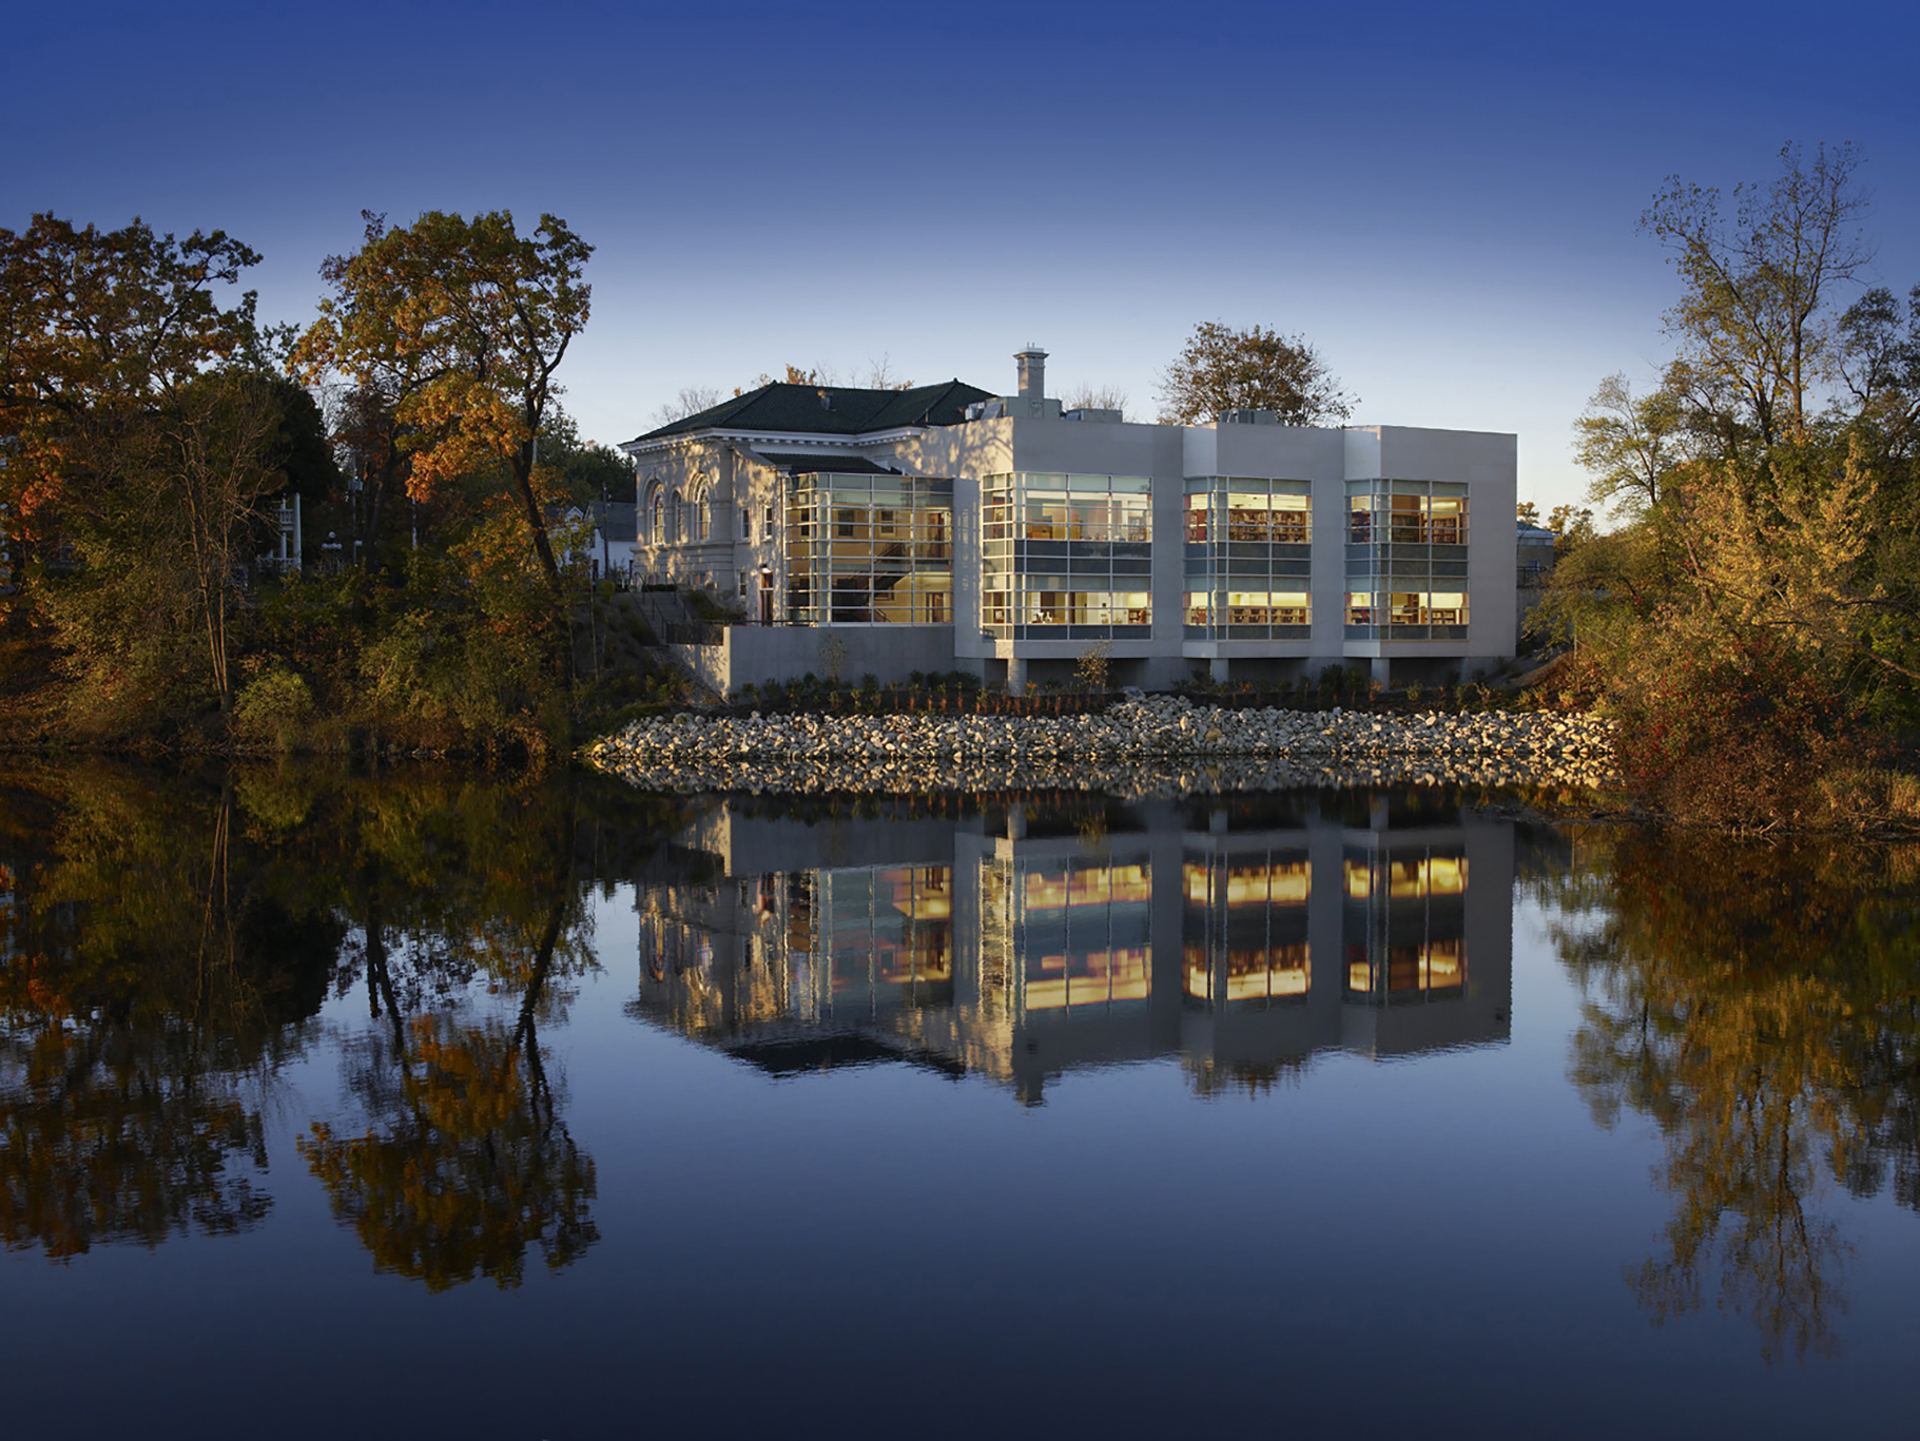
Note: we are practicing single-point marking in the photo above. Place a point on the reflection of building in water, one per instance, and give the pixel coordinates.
(1022, 948)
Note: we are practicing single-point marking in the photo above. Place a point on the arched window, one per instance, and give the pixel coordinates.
(675, 524)
(700, 516)
(656, 515)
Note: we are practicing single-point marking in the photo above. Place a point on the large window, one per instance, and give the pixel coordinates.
(1066, 933)
(699, 522)
(1244, 929)
(1250, 512)
(1407, 519)
(869, 550)
(1406, 560)
(1066, 556)
(1248, 558)
(1404, 924)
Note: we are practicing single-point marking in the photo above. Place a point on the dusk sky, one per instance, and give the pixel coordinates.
(1442, 198)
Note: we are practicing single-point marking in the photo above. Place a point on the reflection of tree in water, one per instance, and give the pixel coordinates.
(118, 1135)
(465, 1164)
(168, 934)
(1212, 1078)
(145, 989)
(468, 1169)
(1761, 1004)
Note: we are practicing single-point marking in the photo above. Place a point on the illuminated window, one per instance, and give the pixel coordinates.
(1064, 551)
(1244, 939)
(1360, 519)
(869, 549)
(1404, 925)
(1083, 935)
(1199, 508)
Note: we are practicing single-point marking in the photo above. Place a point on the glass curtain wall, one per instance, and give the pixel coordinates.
(1406, 560)
(1247, 546)
(1244, 929)
(869, 550)
(1066, 557)
(1066, 933)
(887, 942)
(1404, 924)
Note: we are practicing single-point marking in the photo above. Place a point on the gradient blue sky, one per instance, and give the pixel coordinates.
(1443, 198)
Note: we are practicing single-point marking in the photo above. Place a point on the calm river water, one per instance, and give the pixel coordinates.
(422, 1105)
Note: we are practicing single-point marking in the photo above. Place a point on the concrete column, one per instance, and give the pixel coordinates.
(1016, 675)
(1217, 670)
(1383, 670)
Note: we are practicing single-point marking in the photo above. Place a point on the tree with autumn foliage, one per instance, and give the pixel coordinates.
(97, 329)
(1755, 1001)
(452, 331)
(1753, 620)
(149, 441)
(1220, 368)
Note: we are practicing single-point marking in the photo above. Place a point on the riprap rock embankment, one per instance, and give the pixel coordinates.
(1158, 745)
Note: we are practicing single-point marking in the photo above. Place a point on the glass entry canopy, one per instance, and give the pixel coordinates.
(869, 549)
(1066, 557)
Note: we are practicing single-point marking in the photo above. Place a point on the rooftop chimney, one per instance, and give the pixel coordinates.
(1033, 372)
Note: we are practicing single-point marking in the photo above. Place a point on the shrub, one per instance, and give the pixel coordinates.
(1737, 735)
(1093, 665)
(274, 708)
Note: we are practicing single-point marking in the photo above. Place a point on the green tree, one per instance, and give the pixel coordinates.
(167, 520)
(96, 328)
(583, 470)
(1630, 445)
(1220, 368)
(1880, 363)
(1572, 527)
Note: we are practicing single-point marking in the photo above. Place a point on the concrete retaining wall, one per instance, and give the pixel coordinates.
(755, 655)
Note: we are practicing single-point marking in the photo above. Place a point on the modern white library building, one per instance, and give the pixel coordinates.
(944, 528)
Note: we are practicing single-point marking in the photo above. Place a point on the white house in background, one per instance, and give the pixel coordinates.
(611, 546)
(608, 546)
(944, 528)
